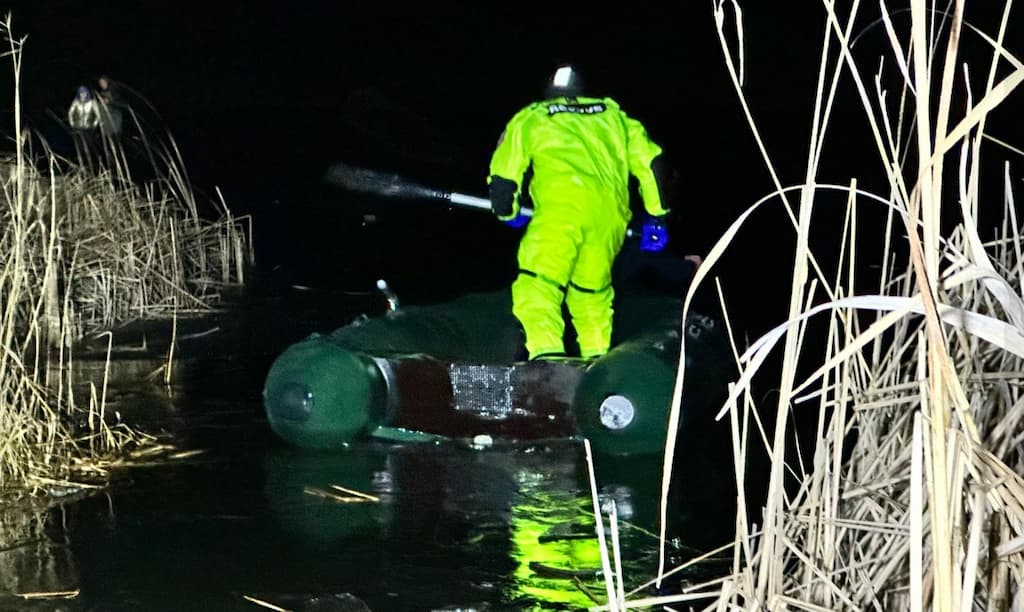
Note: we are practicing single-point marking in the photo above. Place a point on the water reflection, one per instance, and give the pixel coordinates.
(504, 526)
(299, 487)
(470, 520)
(553, 543)
(444, 526)
(37, 571)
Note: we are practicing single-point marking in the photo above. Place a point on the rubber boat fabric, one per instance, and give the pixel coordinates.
(451, 370)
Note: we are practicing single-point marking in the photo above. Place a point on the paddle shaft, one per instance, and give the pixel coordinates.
(392, 185)
(469, 201)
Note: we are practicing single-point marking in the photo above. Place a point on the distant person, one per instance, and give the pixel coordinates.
(84, 119)
(106, 90)
(84, 113)
(111, 107)
(581, 151)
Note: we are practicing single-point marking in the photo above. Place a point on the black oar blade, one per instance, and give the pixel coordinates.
(370, 181)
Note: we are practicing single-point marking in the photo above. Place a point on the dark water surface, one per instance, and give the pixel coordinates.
(454, 527)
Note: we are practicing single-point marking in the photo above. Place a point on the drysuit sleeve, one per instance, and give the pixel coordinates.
(508, 164)
(646, 163)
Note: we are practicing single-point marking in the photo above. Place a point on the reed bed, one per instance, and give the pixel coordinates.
(909, 494)
(138, 252)
(85, 248)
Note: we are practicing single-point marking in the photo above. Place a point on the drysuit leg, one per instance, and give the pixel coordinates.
(590, 294)
(546, 255)
(592, 315)
(537, 303)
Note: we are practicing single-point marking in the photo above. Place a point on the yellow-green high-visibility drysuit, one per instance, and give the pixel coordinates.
(581, 151)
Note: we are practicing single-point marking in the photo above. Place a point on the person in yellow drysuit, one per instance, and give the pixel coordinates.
(581, 151)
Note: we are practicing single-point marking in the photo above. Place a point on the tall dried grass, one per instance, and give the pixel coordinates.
(84, 248)
(911, 497)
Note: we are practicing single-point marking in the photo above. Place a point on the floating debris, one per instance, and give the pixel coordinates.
(50, 595)
(366, 496)
(349, 499)
(265, 604)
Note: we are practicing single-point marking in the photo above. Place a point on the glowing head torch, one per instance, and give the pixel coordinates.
(565, 82)
(562, 77)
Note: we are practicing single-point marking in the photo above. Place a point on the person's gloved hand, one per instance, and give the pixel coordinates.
(518, 221)
(654, 234)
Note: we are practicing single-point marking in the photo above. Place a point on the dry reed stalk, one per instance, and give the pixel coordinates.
(346, 499)
(609, 579)
(924, 507)
(365, 496)
(50, 594)
(264, 604)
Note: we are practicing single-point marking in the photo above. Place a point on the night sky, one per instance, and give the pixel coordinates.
(261, 98)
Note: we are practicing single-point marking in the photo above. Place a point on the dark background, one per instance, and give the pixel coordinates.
(261, 97)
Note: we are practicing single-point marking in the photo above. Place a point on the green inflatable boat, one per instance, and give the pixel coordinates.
(450, 370)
